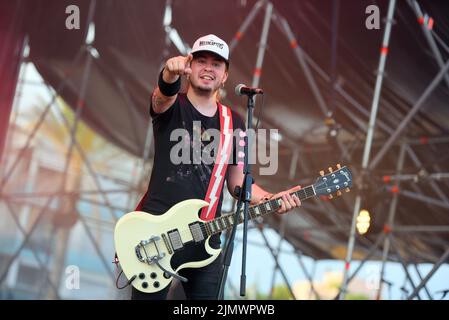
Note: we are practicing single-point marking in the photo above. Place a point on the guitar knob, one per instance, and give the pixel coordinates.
(156, 284)
(142, 276)
(153, 275)
(144, 285)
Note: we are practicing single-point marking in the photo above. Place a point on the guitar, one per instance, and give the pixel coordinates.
(152, 249)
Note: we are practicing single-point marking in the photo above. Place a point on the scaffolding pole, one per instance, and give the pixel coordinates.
(420, 197)
(442, 260)
(276, 253)
(7, 174)
(401, 260)
(421, 279)
(24, 241)
(308, 275)
(262, 45)
(370, 253)
(422, 19)
(42, 266)
(283, 25)
(242, 29)
(277, 265)
(390, 222)
(369, 138)
(430, 88)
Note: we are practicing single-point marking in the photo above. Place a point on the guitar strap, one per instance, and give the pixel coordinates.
(221, 164)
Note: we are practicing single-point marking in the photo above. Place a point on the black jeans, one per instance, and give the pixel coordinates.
(202, 284)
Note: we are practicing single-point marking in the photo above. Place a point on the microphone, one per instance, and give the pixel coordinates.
(241, 90)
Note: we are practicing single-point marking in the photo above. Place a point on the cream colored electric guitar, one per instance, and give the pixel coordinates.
(152, 249)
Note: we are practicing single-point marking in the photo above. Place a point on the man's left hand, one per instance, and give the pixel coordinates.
(288, 201)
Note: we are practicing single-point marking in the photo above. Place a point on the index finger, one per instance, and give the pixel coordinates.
(189, 58)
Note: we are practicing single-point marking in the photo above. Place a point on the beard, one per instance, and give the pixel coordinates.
(202, 90)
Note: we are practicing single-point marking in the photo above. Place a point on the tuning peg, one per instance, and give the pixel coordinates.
(347, 190)
(322, 173)
(338, 193)
(330, 169)
(338, 166)
(331, 196)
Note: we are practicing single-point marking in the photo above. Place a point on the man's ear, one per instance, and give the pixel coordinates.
(225, 77)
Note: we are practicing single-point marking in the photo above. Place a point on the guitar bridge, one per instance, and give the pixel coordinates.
(142, 247)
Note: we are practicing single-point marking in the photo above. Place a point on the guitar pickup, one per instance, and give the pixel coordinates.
(175, 239)
(197, 233)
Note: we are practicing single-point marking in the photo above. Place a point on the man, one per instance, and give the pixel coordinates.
(206, 70)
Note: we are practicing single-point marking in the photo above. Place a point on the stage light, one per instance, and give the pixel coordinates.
(363, 221)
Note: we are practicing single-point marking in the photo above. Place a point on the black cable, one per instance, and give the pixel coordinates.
(127, 284)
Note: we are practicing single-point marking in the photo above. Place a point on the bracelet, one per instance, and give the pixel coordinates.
(168, 89)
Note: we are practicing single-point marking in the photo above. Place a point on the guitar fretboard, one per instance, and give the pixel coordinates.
(227, 221)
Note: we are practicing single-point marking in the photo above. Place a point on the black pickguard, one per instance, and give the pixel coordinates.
(191, 252)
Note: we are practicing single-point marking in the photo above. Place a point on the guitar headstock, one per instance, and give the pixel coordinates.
(333, 182)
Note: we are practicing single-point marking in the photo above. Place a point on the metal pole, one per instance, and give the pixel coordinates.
(308, 276)
(8, 173)
(421, 279)
(350, 249)
(404, 266)
(421, 229)
(378, 87)
(390, 222)
(420, 197)
(97, 248)
(88, 166)
(42, 266)
(25, 240)
(283, 25)
(409, 116)
(442, 260)
(5, 146)
(365, 259)
(281, 233)
(369, 138)
(245, 24)
(428, 35)
(284, 276)
(263, 45)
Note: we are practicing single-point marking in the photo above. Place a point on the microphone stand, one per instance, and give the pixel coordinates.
(244, 198)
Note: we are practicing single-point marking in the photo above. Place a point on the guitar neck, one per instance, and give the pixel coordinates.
(227, 221)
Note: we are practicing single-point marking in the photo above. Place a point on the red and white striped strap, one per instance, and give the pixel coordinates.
(221, 164)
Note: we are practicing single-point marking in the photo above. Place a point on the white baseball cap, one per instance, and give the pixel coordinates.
(212, 43)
